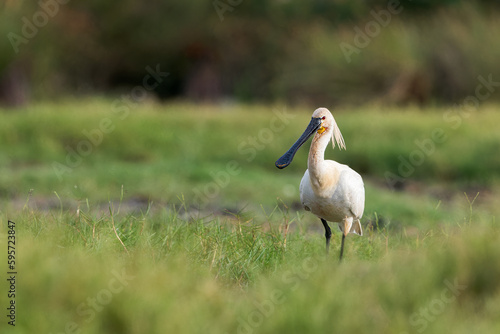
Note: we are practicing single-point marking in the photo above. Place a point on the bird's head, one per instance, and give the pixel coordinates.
(329, 126)
(325, 117)
(322, 123)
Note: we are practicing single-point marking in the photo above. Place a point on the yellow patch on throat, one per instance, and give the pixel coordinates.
(321, 129)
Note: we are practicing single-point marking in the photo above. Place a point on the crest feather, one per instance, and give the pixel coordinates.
(337, 136)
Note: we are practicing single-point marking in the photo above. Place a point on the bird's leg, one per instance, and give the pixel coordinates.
(342, 247)
(328, 234)
(345, 230)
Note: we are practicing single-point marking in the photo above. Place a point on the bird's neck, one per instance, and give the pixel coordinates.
(322, 177)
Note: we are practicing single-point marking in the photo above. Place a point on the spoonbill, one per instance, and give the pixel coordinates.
(332, 191)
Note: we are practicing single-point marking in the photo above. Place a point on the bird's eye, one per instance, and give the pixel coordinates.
(323, 117)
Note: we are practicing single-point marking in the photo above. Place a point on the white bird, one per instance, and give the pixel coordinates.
(332, 191)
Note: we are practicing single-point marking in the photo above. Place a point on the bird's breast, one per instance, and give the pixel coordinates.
(328, 202)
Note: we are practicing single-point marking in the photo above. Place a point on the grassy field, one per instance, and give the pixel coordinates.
(173, 218)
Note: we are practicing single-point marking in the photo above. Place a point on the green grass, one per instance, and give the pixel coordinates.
(248, 259)
(206, 155)
(221, 275)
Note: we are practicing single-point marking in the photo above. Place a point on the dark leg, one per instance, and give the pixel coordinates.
(342, 247)
(328, 234)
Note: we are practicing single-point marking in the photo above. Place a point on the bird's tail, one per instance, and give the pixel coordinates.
(351, 226)
(356, 228)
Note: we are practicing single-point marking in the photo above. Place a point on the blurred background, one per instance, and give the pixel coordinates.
(140, 137)
(424, 52)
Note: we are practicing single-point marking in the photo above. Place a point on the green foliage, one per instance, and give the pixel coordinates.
(261, 50)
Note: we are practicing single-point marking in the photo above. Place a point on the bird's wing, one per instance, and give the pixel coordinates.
(356, 193)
